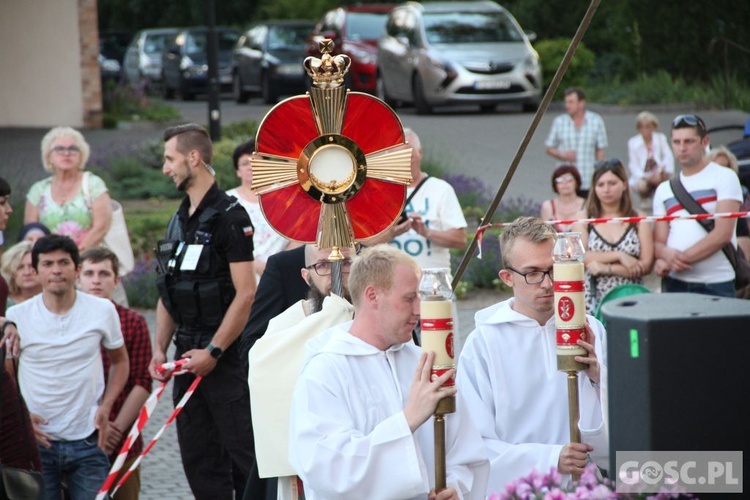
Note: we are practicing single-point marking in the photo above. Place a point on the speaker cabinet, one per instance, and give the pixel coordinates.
(676, 372)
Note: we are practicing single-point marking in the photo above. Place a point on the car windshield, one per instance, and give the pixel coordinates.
(197, 42)
(470, 27)
(287, 37)
(155, 43)
(365, 25)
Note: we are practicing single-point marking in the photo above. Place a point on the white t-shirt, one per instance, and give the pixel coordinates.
(60, 368)
(713, 183)
(438, 205)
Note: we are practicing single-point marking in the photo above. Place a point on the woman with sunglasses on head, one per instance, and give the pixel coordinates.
(616, 253)
(566, 181)
(69, 202)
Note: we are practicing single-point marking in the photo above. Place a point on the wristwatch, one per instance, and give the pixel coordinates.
(214, 351)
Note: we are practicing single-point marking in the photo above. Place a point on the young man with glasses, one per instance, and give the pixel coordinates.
(689, 259)
(507, 370)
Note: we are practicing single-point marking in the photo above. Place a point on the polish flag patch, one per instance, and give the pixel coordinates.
(248, 230)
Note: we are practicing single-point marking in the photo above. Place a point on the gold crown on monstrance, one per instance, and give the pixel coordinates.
(327, 71)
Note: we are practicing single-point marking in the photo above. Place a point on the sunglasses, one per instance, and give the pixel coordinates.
(607, 164)
(69, 149)
(564, 178)
(696, 121)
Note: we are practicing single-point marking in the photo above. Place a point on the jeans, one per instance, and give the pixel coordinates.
(82, 462)
(723, 289)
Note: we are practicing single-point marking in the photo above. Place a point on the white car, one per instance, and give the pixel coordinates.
(454, 53)
(143, 56)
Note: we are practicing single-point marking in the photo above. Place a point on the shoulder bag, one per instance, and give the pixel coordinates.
(117, 238)
(734, 255)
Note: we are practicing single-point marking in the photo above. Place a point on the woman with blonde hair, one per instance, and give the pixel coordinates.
(722, 156)
(70, 202)
(23, 281)
(650, 159)
(616, 253)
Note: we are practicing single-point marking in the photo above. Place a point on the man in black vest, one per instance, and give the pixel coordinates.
(206, 289)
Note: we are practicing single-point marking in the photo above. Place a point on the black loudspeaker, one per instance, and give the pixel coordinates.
(676, 372)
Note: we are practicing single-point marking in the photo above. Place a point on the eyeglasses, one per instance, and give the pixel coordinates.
(69, 149)
(323, 268)
(607, 164)
(564, 178)
(683, 121)
(534, 277)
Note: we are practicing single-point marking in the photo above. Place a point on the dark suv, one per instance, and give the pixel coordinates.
(185, 61)
(355, 30)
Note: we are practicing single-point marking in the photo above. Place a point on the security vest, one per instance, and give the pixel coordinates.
(194, 282)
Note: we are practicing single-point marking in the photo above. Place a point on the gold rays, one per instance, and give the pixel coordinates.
(328, 106)
(271, 171)
(334, 227)
(392, 164)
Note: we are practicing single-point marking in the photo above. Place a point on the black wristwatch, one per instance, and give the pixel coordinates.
(214, 351)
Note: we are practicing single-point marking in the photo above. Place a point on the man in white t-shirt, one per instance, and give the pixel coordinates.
(61, 374)
(689, 259)
(435, 222)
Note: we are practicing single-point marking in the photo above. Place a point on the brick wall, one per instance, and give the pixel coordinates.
(88, 27)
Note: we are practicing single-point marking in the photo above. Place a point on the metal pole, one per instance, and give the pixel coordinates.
(214, 91)
(529, 134)
(573, 410)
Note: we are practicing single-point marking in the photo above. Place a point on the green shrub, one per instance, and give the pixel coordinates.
(129, 103)
(140, 284)
(551, 53)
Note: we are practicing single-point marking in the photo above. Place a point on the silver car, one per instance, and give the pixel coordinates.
(456, 53)
(143, 55)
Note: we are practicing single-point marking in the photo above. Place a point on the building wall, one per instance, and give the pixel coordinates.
(48, 52)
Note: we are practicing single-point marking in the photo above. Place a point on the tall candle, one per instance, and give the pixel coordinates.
(570, 300)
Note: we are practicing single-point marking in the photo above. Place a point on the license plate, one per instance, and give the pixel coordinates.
(492, 85)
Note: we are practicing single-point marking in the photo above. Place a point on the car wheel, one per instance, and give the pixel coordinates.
(266, 93)
(420, 101)
(240, 95)
(382, 94)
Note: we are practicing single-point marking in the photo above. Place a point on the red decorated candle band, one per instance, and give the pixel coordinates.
(438, 371)
(436, 324)
(570, 337)
(569, 286)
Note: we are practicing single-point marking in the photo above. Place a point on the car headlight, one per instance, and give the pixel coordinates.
(110, 65)
(531, 63)
(362, 56)
(187, 65)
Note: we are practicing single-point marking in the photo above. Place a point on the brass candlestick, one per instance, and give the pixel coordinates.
(570, 318)
(436, 320)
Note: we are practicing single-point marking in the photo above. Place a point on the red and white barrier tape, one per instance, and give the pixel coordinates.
(176, 368)
(619, 220)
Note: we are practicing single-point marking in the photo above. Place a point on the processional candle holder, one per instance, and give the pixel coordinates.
(331, 166)
(570, 318)
(436, 321)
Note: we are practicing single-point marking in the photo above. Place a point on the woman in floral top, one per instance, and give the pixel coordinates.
(62, 202)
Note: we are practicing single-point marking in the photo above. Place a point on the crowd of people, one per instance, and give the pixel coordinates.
(306, 394)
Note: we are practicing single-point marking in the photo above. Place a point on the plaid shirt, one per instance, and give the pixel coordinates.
(592, 135)
(138, 344)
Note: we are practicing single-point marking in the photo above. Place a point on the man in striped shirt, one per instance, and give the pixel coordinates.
(578, 137)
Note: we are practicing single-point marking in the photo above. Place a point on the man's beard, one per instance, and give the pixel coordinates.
(315, 296)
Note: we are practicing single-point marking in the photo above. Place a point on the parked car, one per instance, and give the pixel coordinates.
(142, 59)
(110, 70)
(448, 53)
(185, 61)
(355, 30)
(268, 60)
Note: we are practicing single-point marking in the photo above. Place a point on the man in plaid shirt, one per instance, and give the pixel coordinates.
(578, 137)
(99, 276)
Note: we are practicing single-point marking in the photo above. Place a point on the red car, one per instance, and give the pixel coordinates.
(355, 30)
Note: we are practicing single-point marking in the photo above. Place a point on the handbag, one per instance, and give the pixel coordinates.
(15, 483)
(117, 238)
(734, 255)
